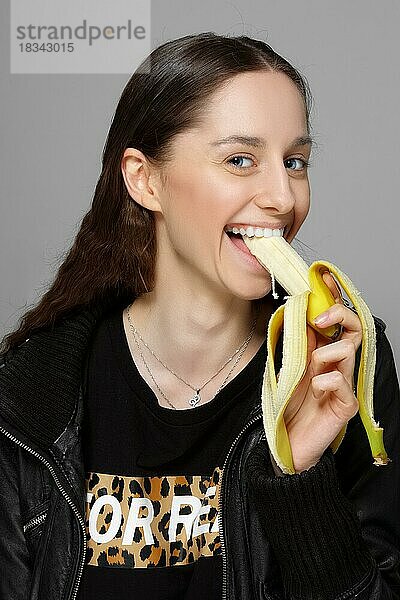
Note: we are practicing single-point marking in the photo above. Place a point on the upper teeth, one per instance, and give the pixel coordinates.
(256, 231)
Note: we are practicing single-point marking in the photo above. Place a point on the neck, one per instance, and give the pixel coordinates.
(192, 325)
(194, 336)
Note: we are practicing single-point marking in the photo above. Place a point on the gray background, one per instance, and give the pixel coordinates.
(53, 129)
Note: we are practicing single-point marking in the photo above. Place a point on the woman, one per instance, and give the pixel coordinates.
(133, 457)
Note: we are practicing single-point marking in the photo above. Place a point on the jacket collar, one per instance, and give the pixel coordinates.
(40, 380)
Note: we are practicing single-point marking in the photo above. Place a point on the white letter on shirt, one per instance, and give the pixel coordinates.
(186, 520)
(134, 521)
(103, 538)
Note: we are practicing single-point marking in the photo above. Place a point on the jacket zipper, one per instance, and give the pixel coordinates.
(221, 534)
(35, 521)
(67, 498)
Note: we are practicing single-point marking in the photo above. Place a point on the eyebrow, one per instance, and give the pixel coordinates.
(257, 142)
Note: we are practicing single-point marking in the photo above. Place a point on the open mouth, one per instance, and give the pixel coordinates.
(236, 240)
(236, 235)
(234, 232)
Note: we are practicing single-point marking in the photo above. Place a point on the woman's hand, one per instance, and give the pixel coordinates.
(324, 400)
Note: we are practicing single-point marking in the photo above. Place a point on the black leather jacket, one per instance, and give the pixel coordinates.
(42, 530)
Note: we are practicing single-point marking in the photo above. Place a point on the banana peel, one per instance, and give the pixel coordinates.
(308, 297)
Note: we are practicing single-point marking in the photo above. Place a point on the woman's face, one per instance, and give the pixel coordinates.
(211, 184)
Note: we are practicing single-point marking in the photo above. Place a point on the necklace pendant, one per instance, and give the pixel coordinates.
(195, 399)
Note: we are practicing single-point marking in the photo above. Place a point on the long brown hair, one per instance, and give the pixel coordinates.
(112, 259)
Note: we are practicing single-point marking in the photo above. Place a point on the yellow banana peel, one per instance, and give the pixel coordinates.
(308, 297)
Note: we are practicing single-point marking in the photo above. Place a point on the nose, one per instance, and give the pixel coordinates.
(275, 188)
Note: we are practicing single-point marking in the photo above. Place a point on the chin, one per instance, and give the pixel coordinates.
(253, 292)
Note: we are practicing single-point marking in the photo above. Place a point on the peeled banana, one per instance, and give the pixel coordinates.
(308, 297)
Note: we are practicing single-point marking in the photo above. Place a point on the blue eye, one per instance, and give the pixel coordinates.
(238, 157)
(304, 162)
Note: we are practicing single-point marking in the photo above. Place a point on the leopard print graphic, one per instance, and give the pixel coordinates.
(147, 522)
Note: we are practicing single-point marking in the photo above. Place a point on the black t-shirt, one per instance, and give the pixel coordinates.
(152, 477)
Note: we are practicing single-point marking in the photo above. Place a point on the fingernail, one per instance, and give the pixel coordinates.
(322, 318)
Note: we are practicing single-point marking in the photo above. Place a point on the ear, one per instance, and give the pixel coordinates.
(140, 179)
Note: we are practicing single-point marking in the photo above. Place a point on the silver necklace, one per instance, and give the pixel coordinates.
(194, 400)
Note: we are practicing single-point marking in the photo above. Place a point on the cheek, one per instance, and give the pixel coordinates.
(219, 198)
(203, 201)
(304, 201)
(188, 214)
(302, 208)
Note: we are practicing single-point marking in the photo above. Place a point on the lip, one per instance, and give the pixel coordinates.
(260, 224)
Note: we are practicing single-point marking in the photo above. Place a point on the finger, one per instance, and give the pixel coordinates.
(340, 355)
(350, 321)
(346, 405)
(339, 313)
(333, 286)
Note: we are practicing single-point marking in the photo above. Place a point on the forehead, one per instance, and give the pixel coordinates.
(264, 102)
